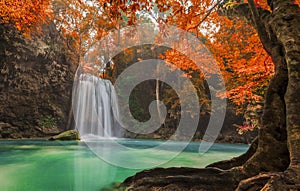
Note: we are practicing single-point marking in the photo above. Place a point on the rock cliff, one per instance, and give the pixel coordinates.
(36, 76)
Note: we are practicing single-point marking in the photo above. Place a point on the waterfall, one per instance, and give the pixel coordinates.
(95, 107)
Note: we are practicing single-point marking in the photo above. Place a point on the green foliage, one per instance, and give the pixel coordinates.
(47, 121)
(136, 110)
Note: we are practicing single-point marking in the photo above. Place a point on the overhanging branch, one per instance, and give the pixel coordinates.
(252, 15)
(260, 27)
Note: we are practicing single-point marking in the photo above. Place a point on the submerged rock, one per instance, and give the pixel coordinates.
(66, 136)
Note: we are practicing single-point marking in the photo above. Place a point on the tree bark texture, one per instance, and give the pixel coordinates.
(272, 163)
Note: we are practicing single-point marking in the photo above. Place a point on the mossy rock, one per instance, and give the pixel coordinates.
(69, 135)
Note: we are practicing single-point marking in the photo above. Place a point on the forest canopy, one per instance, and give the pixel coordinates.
(235, 44)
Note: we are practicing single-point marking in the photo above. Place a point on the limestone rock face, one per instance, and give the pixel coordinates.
(36, 76)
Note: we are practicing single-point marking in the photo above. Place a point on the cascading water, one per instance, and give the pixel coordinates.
(95, 107)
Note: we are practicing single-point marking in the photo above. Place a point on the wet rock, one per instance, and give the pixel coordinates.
(70, 135)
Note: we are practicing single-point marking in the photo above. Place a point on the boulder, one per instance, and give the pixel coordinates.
(70, 135)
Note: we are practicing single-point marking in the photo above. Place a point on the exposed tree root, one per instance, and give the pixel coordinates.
(268, 182)
(207, 179)
(181, 179)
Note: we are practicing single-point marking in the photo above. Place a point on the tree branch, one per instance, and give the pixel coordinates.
(254, 16)
(205, 17)
(260, 27)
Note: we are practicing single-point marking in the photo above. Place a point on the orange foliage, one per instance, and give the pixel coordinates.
(246, 67)
(260, 3)
(25, 13)
(235, 45)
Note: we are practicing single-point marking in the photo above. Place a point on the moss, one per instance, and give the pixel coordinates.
(66, 136)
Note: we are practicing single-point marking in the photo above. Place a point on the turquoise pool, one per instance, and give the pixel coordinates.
(38, 165)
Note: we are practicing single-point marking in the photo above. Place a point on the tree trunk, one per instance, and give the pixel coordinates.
(279, 144)
(285, 25)
(274, 164)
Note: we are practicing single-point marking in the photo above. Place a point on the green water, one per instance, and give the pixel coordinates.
(72, 166)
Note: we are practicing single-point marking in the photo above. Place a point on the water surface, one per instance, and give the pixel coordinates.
(68, 165)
